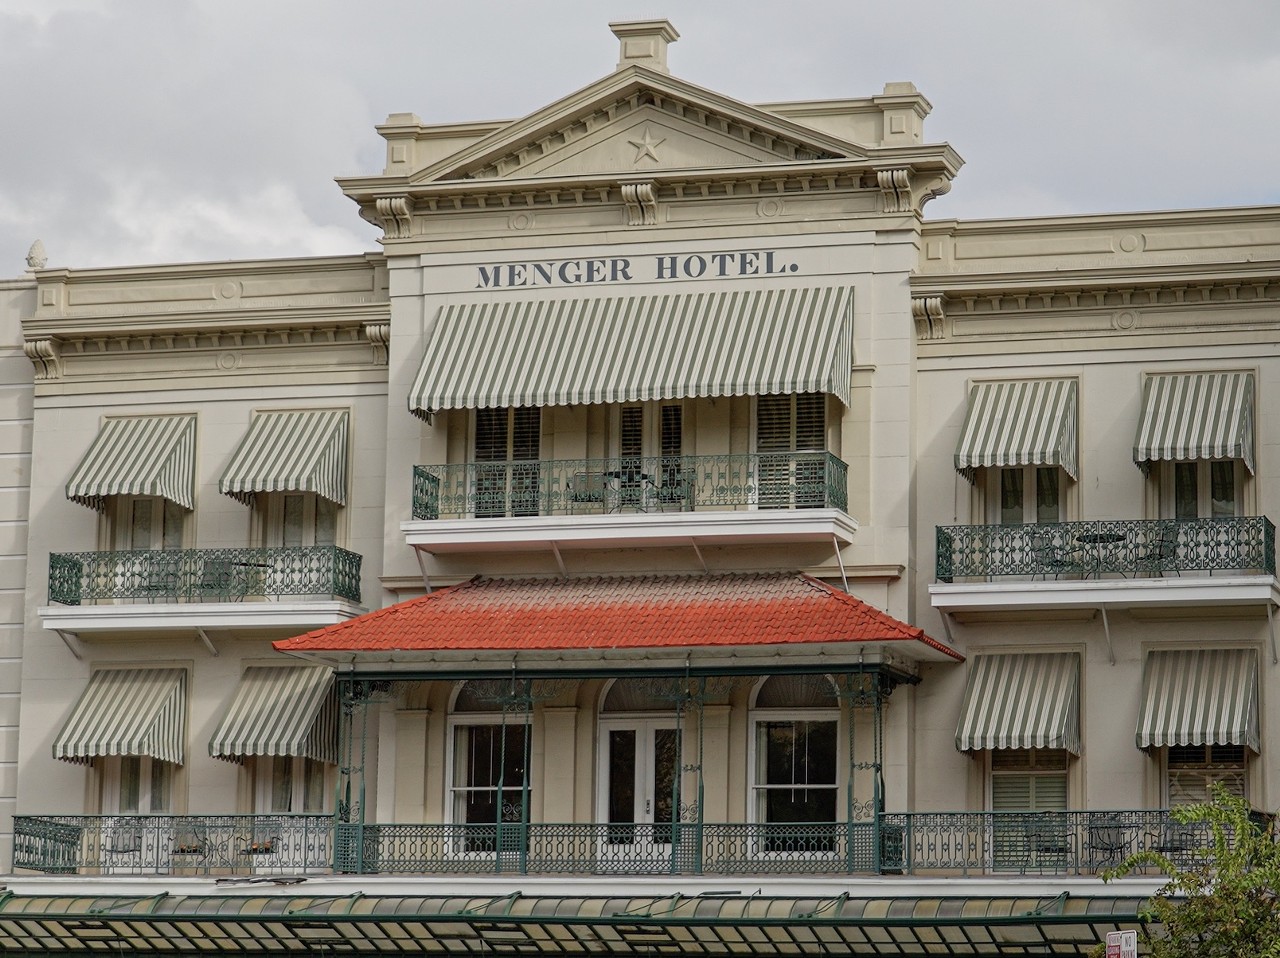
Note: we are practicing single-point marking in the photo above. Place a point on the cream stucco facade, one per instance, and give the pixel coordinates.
(472, 444)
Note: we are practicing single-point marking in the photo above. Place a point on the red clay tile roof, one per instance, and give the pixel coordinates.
(608, 612)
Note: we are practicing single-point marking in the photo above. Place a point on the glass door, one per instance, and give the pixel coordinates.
(640, 788)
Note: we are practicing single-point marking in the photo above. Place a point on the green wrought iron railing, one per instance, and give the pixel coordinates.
(1076, 842)
(1134, 548)
(203, 575)
(173, 844)
(548, 487)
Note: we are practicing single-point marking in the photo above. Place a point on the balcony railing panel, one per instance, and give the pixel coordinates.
(1132, 548)
(921, 843)
(174, 844)
(552, 487)
(203, 575)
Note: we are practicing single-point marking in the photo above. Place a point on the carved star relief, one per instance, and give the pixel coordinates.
(646, 146)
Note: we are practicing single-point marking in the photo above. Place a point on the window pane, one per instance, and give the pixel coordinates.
(293, 514)
(796, 753)
(622, 784)
(1011, 497)
(312, 785)
(1047, 503)
(1222, 486)
(326, 522)
(174, 516)
(161, 786)
(281, 784)
(140, 524)
(1185, 498)
(130, 783)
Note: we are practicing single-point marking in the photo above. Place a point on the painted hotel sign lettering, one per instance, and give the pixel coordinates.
(624, 269)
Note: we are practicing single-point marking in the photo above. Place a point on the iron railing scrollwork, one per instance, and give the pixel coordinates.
(551, 487)
(1132, 548)
(204, 575)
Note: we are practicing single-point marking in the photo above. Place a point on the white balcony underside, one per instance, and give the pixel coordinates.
(286, 618)
(630, 530)
(1187, 591)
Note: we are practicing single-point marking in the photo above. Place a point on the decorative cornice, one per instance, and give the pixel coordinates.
(1263, 290)
(641, 203)
(929, 313)
(46, 356)
(378, 334)
(53, 351)
(896, 187)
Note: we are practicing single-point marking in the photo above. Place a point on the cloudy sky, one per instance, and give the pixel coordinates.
(141, 131)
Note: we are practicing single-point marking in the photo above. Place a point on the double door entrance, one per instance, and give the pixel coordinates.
(640, 784)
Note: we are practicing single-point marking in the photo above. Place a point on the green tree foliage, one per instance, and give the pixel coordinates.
(1225, 901)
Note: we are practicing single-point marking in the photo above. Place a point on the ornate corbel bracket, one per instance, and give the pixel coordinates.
(642, 204)
(896, 187)
(46, 356)
(396, 216)
(930, 314)
(378, 334)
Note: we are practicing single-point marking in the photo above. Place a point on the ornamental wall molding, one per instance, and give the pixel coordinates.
(47, 354)
(746, 132)
(542, 199)
(1264, 289)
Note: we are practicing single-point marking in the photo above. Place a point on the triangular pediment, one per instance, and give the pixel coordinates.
(637, 121)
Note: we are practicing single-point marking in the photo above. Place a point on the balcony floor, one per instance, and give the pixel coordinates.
(531, 533)
(1187, 591)
(161, 618)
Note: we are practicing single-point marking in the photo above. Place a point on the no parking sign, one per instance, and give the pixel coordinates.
(1122, 944)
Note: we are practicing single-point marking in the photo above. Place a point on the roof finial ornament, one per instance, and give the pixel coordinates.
(644, 43)
(36, 256)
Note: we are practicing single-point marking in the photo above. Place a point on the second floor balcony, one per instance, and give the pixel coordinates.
(740, 497)
(1110, 563)
(288, 587)
(911, 843)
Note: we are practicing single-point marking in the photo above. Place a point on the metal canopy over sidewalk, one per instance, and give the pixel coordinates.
(722, 925)
(756, 342)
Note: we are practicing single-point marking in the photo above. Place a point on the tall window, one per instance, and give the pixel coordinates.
(489, 781)
(791, 440)
(796, 773)
(650, 462)
(1192, 770)
(1029, 780)
(1203, 489)
(1018, 494)
(506, 449)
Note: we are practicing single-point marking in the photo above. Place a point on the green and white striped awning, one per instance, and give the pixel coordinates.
(1196, 416)
(1021, 701)
(284, 710)
(128, 712)
(1024, 423)
(634, 348)
(301, 451)
(1199, 697)
(138, 456)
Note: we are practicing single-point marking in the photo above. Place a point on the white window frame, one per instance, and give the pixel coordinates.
(1167, 492)
(112, 781)
(756, 715)
(264, 784)
(272, 506)
(164, 516)
(452, 791)
(991, 488)
(1211, 771)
